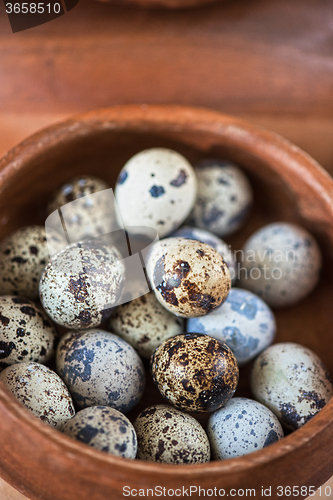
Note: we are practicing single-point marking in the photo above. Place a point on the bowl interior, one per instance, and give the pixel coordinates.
(103, 153)
(101, 146)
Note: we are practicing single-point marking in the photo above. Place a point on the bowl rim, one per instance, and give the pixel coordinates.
(171, 118)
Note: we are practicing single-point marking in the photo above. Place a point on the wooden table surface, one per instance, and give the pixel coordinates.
(267, 60)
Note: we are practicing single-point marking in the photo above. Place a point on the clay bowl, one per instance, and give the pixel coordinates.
(288, 185)
(169, 4)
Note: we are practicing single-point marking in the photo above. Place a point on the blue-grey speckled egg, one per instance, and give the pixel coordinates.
(292, 381)
(281, 264)
(170, 436)
(244, 322)
(196, 233)
(156, 188)
(100, 368)
(224, 197)
(241, 427)
(105, 429)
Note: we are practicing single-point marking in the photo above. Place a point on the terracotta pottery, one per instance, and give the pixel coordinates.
(288, 185)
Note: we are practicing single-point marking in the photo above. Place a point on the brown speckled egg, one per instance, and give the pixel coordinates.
(41, 390)
(195, 372)
(81, 284)
(191, 278)
(167, 435)
(145, 324)
(23, 256)
(26, 333)
(85, 213)
(105, 429)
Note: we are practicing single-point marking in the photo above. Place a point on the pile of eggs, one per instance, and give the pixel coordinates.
(195, 314)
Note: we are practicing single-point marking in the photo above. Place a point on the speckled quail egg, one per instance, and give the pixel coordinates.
(41, 390)
(281, 264)
(241, 427)
(155, 252)
(156, 188)
(167, 435)
(292, 381)
(196, 233)
(195, 372)
(81, 284)
(224, 197)
(86, 206)
(100, 368)
(145, 324)
(23, 256)
(191, 279)
(105, 429)
(244, 322)
(26, 334)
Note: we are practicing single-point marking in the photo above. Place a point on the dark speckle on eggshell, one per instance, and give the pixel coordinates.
(180, 180)
(122, 177)
(157, 191)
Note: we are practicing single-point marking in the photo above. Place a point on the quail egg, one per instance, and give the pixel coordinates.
(100, 368)
(41, 391)
(105, 429)
(191, 278)
(155, 252)
(224, 197)
(167, 435)
(26, 334)
(196, 233)
(145, 324)
(244, 322)
(292, 381)
(281, 264)
(87, 207)
(23, 256)
(156, 188)
(81, 284)
(241, 427)
(195, 372)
